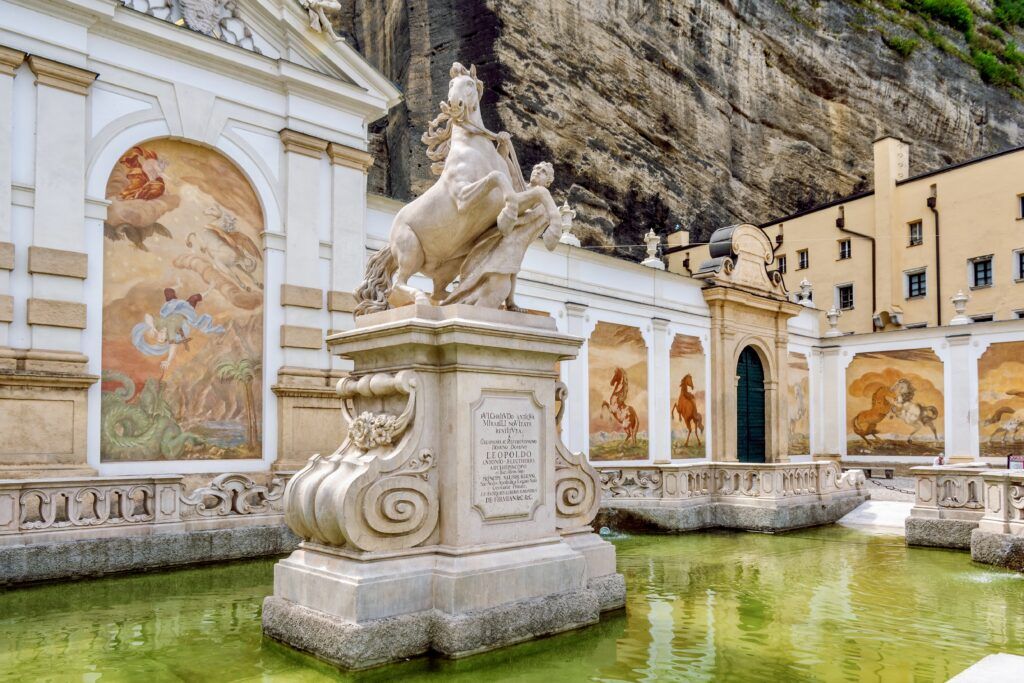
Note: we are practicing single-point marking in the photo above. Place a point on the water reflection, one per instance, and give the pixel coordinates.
(829, 604)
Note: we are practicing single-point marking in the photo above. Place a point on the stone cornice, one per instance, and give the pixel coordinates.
(10, 60)
(60, 75)
(343, 155)
(300, 143)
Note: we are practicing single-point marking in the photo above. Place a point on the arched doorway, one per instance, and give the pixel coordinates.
(750, 422)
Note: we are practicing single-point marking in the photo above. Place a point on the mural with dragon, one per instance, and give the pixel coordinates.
(617, 358)
(687, 384)
(1001, 399)
(182, 307)
(894, 403)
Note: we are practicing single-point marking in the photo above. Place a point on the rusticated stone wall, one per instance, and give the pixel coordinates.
(701, 113)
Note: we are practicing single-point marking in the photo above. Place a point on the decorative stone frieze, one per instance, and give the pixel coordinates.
(60, 75)
(298, 337)
(301, 143)
(304, 297)
(6, 256)
(10, 60)
(56, 313)
(343, 155)
(46, 261)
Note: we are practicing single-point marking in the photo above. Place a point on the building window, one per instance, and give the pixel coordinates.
(1019, 263)
(844, 297)
(917, 284)
(1020, 206)
(981, 271)
(803, 259)
(844, 249)
(983, 318)
(916, 234)
(1019, 315)
(915, 326)
(782, 264)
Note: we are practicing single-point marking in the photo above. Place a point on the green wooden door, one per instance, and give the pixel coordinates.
(750, 407)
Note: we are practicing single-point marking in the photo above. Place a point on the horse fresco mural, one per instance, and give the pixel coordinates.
(182, 308)
(686, 377)
(799, 394)
(894, 403)
(618, 393)
(1001, 399)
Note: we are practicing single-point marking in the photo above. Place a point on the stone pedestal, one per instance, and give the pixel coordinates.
(452, 518)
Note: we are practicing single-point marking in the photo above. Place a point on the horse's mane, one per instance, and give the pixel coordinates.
(438, 137)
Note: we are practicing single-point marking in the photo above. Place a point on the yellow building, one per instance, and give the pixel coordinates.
(894, 256)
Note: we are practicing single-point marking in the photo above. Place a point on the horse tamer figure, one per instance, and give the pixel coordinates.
(474, 223)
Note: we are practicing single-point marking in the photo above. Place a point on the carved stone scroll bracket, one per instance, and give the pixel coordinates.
(378, 491)
(234, 494)
(577, 485)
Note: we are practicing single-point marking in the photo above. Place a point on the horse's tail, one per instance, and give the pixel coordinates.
(930, 411)
(372, 295)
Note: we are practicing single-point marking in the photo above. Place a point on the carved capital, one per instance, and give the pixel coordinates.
(301, 143)
(343, 155)
(60, 75)
(10, 60)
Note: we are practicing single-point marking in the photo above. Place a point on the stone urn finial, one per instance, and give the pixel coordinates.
(567, 215)
(653, 242)
(805, 293)
(832, 315)
(960, 305)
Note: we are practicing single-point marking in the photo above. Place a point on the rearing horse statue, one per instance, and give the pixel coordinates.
(480, 186)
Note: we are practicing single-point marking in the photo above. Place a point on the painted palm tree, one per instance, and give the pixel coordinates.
(244, 371)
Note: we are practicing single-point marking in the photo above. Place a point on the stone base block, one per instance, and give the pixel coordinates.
(362, 646)
(940, 533)
(100, 556)
(668, 515)
(1001, 550)
(358, 611)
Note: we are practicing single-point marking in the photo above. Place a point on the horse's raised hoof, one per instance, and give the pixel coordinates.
(507, 220)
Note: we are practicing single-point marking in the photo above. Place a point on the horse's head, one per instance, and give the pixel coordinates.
(464, 91)
(903, 390)
(686, 382)
(617, 376)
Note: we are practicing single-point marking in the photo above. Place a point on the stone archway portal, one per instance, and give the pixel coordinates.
(750, 412)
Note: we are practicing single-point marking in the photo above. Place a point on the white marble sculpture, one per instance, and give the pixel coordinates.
(318, 20)
(473, 224)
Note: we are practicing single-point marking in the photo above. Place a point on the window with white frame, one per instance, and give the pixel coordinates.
(916, 284)
(803, 259)
(986, 318)
(782, 263)
(844, 249)
(916, 233)
(844, 297)
(980, 271)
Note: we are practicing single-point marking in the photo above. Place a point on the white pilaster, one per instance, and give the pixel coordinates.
(961, 414)
(659, 424)
(10, 60)
(576, 424)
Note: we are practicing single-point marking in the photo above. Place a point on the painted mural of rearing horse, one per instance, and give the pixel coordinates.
(480, 186)
(686, 408)
(622, 412)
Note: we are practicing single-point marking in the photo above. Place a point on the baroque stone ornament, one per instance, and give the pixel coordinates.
(475, 223)
(318, 20)
(577, 486)
(234, 494)
(376, 491)
(215, 18)
(740, 256)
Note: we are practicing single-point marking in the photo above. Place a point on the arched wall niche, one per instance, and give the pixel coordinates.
(182, 306)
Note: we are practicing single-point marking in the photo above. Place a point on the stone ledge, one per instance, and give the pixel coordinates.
(341, 302)
(640, 515)
(6, 308)
(940, 533)
(46, 261)
(97, 557)
(303, 297)
(56, 313)
(301, 143)
(1001, 550)
(10, 60)
(6, 256)
(362, 646)
(297, 337)
(343, 155)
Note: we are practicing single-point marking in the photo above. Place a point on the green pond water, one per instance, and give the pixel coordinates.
(829, 604)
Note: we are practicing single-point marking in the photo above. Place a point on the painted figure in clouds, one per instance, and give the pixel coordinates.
(171, 327)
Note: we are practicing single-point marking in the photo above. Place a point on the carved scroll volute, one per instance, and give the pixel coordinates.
(577, 486)
(376, 491)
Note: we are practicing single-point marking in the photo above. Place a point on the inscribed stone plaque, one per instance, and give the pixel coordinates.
(507, 456)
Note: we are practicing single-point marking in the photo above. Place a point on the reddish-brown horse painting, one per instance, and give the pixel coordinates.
(686, 408)
(616, 404)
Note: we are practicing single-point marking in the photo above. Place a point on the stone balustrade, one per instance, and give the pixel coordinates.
(61, 528)
(1003, 502)
(949, 503)
(761, 496)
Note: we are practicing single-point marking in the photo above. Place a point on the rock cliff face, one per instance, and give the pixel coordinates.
(697, 113)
